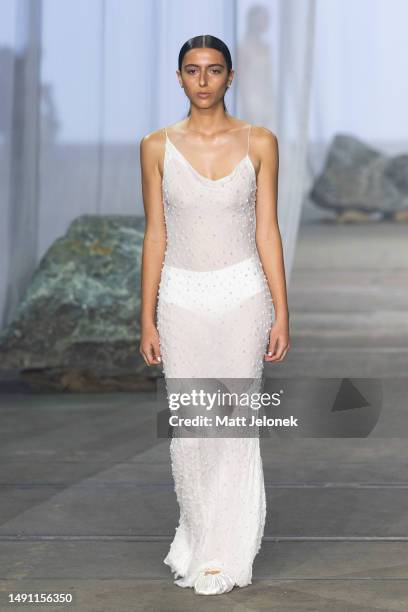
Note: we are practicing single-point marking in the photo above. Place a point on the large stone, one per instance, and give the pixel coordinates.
(358, 177)
(79, 318)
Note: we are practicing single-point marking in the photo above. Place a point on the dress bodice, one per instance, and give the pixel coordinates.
(210, 223)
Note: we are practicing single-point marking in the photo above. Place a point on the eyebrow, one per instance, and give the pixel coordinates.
(209, 65)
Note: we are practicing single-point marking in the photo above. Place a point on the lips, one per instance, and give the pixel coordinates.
(203, 94)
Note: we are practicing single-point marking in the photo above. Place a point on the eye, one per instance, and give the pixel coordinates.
(193, 70)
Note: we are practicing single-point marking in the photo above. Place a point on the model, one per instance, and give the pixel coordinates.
(212, 275)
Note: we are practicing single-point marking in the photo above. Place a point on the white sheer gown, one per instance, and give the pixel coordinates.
(214, 314)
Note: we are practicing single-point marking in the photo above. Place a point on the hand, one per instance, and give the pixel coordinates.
(279, 342)
(150, 345)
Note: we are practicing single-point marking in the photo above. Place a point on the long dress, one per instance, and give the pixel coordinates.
(214, 314)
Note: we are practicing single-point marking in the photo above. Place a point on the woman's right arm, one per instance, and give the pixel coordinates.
(154, 244)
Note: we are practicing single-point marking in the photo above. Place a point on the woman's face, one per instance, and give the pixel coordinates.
(204, 71)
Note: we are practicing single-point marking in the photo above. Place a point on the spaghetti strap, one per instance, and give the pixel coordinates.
(165, 129)
(249, 131)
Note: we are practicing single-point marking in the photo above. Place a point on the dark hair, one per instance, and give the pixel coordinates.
(206, 41)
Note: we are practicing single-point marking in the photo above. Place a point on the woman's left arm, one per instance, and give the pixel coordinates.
(269, 242)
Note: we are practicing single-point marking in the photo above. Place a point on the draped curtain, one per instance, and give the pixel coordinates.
(82, 82)
(275, 67)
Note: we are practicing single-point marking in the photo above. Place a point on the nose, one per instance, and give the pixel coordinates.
(203, 80)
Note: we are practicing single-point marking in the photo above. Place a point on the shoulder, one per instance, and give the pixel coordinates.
(264, 138)
(265, 147)
(151, 142)
(152, 150)
(264, 150)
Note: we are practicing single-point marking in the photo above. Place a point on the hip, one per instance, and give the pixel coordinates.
(213, 289)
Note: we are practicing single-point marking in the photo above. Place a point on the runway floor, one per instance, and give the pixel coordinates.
(87, 499)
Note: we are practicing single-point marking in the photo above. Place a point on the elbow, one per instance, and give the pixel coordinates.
(156, 239)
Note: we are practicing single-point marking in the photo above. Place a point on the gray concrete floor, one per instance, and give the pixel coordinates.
(87, 499)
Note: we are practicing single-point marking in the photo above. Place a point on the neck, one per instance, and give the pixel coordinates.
(208, 120)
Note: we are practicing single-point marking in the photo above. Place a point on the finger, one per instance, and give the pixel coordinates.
(157, 355)
(145, 357)
(147, 353)
(272, 346)
(277, 354)
(150, 355)
(285, 350)
(283, 355)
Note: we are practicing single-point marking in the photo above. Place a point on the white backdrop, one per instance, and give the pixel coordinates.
(82, 82)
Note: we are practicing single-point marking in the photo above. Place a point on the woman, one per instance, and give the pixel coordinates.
(212, 254)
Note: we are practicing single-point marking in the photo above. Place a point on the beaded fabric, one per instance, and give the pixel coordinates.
(214, 314)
